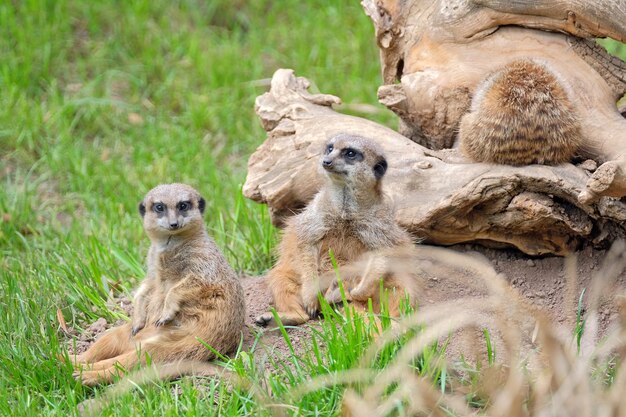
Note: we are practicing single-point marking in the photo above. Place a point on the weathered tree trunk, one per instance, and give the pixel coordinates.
(440, 50)
(440, 196)
(434, 54)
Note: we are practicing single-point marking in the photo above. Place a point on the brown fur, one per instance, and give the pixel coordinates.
(350, 217)
(396, 266)
(190, 293)
(521, 115)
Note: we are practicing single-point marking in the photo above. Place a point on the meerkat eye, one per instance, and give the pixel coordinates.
(350, 153)
(329, 149)
(184, 206)
(159, 208)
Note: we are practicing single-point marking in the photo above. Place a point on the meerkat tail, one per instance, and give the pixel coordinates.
(156, 372)
(521, 114)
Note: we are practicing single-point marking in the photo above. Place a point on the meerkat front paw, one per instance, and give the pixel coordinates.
(138, 324)
(136, 329)
(311, 305)
(164, 319)
(264, 319)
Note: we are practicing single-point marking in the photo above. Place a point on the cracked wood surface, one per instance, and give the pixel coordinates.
(440, 197)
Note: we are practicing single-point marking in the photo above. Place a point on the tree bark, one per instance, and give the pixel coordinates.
(583, 18)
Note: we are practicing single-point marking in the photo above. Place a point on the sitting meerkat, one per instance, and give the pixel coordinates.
(521, 115)
(349, 216)
(190, 294)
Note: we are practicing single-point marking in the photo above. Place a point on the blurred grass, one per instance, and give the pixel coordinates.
(99, 102)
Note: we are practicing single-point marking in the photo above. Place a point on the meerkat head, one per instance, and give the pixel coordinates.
(349, 159)
(171, 209)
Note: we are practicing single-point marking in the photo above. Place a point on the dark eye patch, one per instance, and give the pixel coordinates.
(184, 205)
(329, 148)
(352, 155)
(159, 207)
(380, 168)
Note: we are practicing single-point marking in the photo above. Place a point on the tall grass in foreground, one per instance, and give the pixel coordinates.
(546, 375)
(265, 381)
(367, 365)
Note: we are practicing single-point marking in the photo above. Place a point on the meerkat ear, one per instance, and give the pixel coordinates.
(142, 209)
(380, 168)
(201, 205)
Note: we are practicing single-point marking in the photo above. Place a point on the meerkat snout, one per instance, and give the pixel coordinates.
(166, 212)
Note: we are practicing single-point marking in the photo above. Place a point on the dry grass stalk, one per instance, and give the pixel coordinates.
(542, 373)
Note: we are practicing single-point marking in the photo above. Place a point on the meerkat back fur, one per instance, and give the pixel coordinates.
(190, 293)
(348, 216)
(520, 115)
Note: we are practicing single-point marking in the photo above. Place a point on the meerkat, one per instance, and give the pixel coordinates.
(349, 216)
(522, 114)
(190, 295)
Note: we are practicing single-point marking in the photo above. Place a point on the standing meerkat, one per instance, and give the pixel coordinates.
(349, 216)
(190, 293)
(521, 115)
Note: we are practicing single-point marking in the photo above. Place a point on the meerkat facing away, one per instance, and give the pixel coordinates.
(190, 293)
(520, 115)
(348, 216)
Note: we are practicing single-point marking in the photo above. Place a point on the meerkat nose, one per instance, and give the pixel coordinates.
(327, 162)
(174, 225)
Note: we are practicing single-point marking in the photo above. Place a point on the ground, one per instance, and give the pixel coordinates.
(542, 281)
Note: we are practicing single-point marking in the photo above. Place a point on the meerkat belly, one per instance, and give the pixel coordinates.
(344, 247)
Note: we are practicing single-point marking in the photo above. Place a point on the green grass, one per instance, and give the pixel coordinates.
(99, 102)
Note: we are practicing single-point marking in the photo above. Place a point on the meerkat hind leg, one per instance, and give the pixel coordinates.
(288, 309)
(287, 319)
(93, 378)
(127, 359)
(111, 344)
(104, 371)
(286, 293)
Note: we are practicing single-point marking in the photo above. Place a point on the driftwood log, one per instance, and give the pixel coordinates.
(440, 197)
(435, 52)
